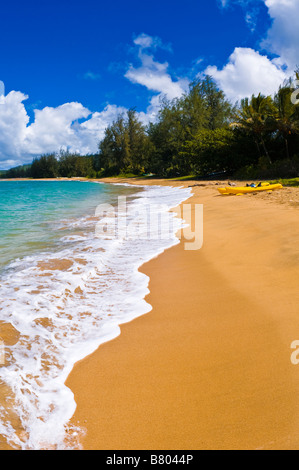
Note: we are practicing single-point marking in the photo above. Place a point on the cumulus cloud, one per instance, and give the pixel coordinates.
(154, 77)
(153, 74)
(247, 72)
(69, 126)
(145, 41)
(91, 131)
(283, 36)
(53, 128)
(73, 126)
(13, 124)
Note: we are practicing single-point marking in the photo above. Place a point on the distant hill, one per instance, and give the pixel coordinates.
(21, 171)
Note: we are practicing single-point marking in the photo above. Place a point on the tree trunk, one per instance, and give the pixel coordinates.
(287, 148)
(266, 151)
(258, 148)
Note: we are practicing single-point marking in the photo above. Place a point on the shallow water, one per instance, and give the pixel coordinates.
(29, 210)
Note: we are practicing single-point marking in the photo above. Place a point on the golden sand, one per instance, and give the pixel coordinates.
(209, 367)
(55, 265)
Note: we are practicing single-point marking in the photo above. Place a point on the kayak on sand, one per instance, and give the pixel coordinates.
(249, 189)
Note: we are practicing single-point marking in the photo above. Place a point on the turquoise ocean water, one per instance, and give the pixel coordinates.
(30, 209)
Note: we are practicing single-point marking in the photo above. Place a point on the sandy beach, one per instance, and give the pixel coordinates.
(209, 367)
(149, 236)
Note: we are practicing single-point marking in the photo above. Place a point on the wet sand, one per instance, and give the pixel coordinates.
(209, 367)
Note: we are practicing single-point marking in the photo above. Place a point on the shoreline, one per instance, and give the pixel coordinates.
(121, 306)
(209, 367)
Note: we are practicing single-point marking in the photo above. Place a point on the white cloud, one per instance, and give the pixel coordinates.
(91, 76)
(283, 36)
(247, 72)
(13, 124)
(144, 41)
(151, 42)
(154, 77)
(52, 129)
(152, 111)
(2, 89)
(91, 131)
(71, 125)
(153, 74)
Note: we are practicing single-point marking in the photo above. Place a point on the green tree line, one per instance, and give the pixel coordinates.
(200, 134)
(55, 165)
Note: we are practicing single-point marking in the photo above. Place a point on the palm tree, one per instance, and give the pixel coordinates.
(254, 117)
(286, 116)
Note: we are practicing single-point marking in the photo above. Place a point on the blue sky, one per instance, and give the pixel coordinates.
(62, 51)
(70, 67)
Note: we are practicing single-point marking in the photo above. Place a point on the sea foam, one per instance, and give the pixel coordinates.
(66, 304)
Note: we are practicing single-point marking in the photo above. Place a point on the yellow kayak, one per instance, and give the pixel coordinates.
(249, 189)
(222, 191)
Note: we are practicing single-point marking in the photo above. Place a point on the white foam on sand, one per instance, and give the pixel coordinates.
(65, 314)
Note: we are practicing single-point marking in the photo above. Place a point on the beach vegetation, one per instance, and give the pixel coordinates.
(200, 134)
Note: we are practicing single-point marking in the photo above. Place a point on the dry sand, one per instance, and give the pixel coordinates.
(209, 367)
